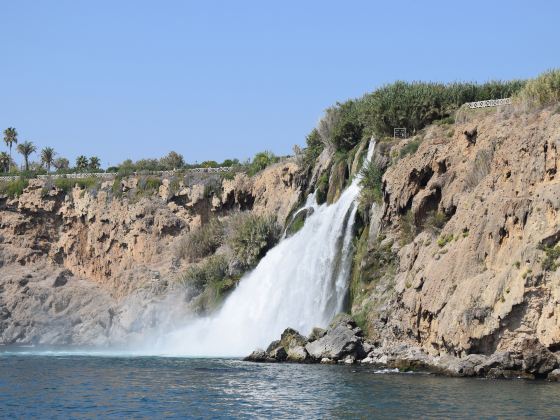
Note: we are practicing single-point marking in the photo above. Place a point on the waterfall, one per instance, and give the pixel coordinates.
(300, 283)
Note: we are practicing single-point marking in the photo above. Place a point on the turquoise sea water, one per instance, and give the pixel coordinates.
(66, 385)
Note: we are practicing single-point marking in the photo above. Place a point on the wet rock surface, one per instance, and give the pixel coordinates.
(343, 342)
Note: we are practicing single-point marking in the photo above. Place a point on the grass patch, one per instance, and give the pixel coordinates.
(148, 185)
(542, 91)
(250, 236)
(410, 148)
(550, 262)
(297, 223)
(201, 242)
(67, 184)
(444, 240)
(14, 188)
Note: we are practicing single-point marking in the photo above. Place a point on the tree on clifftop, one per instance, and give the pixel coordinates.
(26, 149)
(173, 160)
(61, 163)
(81, 162)
(4, 161)
(10, 138)
(94, 163)
(47, 157)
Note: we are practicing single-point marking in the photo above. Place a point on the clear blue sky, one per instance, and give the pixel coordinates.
(218, 79)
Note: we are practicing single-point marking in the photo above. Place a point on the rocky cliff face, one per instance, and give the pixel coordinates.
(70, 261)
(467, 235)
(456, 267)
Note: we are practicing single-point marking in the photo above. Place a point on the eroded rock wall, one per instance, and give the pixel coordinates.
(113, 241)
(481, 283)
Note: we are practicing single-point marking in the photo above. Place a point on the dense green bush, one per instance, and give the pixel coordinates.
(415, 105)
(347, 127)
(250, 236)
(261, 161)
(67, 184)
(371, 183)
(411, 105)
(201, 242)
(14, 188)
(212, 270)
(542, 91)
(410, 148)
(314, 148)
(550, 263)
(148, 184)
(322, 188)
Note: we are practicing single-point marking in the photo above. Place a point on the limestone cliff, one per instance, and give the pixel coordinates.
(457, 262)
(71, 258)
(466, 234)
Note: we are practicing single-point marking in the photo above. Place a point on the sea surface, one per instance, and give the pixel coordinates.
(66, 385)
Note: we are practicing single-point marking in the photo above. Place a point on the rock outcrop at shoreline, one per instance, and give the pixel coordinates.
(343, 342)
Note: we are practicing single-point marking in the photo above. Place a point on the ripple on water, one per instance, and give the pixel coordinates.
(78, 386)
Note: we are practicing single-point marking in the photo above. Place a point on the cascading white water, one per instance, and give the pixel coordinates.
(300, 283)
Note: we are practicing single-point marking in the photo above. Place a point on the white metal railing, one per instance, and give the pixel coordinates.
(490, 102)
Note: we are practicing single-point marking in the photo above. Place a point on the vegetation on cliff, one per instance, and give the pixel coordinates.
(222, 250)
(410, 105)
(542, 91)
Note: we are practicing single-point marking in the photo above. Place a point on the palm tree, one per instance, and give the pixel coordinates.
(94, 163)
(26, 149)
(61, 163)
(81, 162)
(4, 161)
(10, 138)
(47, 157)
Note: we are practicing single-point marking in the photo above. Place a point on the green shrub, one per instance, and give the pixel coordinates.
(347, 128)
(67, 184)
(410, 148)
(314, 148)
(542, 91)
(296, 223)
(322, 187)
(148, 184)
(550, 262)
(261, 161)
(117, 186)
(230, 175)
(213, 188)
(201, 242)
(371, 183)
(445, 121)
(435, 221)
(212, 270)
(414, 105)
(14, 188)
(250, 236)
(444, 240)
